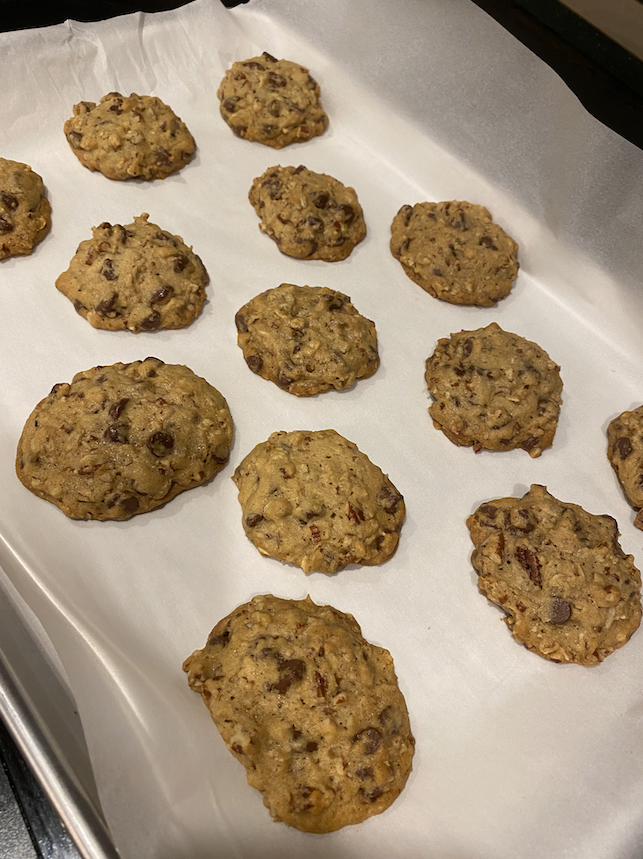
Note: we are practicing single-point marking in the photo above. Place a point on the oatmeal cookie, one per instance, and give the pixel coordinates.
(494, 390)
(309, 215)
(455, 252)
(124, 439)
(307, 339)
(310, 708)
(625, 452)
(314, 500)
(24, 209)
(569, 591)
(129, 137)
(271, 101)
(138, 277)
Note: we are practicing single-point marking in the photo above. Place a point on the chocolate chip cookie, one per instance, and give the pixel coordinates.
(124, 439)
(494, 390)
(24, 209)
(455, 252)
(314, 500)
(569, 591)
(310, 708)
(307, 339)
(309, 215)
(271, 101)
(138, 277)
(129, 137)
(625, 452)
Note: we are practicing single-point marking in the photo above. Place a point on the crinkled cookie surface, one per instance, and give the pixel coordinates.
(124, 439)
(307, 339)
(313, 499)
(455, 252)
(24, 209)
(569, 591)
(137, 277)
(310, 708)
(129, 137)
(493, 389)
(270, 101)
(309, 215)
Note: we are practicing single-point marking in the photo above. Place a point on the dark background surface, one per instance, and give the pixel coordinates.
(606, 79)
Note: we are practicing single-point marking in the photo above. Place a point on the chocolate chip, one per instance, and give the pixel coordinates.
(372, 740)
(437, 272)
(160, 443)
(311, 746)
(487, 242)
(107, 270)
(290, 671)
(255, 65)
(116, 433)
(529, 562)
(117, 408)
(371, 795)
(321, 200)
(162, 294)
(106, 306)
(284, 381)
(10, 202)
(488, 510)
(389, 499)
(254, 362)
(560, 610)
(151, 322)
(467, 346)
(274, 107)
(130, 505)
(269, 57)
(230, 104)
(314, 222)
(220, 640)
(78, 305)
(6, 226)
(348, 212)
(76, 137)
(254, 520)
(180, 262)
(624, 447)
(276, 81)
(240, 322)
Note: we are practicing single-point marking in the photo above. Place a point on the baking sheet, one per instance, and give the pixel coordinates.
(432, 100)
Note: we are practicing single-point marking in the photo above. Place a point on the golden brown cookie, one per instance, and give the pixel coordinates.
(126, 137)
(124, 439)
(625, 452)
(493, 389)
(310, 708)
(271, 101)
(314, 500)
(309, 215)
(24, 209)
(569, 592)
(307, 339)
(138, 277)
(455, 252)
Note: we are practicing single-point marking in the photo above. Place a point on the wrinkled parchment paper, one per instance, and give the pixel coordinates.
(427, 100)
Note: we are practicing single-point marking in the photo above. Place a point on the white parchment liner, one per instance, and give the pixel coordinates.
(428, 99)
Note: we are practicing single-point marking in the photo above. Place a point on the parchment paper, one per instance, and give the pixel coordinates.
(428, 99)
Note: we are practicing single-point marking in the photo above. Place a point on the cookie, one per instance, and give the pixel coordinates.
(569, 591)
(455, 252)
(307, 339)
(310, 708)
(271, 101)
(129, 137)
(124, 439)
(137, 277)
(314, 500)
(24, 209)
(625, 452)
(494, 390)
(309, 215)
